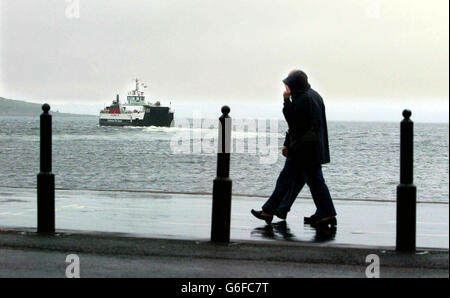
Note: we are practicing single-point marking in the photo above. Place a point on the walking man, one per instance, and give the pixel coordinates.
(306, 149)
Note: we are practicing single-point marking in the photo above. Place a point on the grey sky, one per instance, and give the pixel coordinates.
(370, 56)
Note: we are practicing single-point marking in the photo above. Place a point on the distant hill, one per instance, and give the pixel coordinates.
(10, 107)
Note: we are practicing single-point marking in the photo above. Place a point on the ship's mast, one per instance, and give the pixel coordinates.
(136, 96)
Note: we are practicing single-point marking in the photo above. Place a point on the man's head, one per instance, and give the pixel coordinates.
(297, 81)
(293, 71)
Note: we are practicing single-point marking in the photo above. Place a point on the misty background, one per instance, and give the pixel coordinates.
(369, 59)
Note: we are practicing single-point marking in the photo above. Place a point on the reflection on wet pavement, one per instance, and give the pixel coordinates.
(281, 231)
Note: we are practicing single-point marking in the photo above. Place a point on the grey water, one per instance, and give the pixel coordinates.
(364, 159)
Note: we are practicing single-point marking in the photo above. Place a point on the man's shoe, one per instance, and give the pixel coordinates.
(259, 215)
(311, 219)
(281, 215)
(326, 222)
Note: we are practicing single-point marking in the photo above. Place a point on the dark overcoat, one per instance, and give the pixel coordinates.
(305, 111)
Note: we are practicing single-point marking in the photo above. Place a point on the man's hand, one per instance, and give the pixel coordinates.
(284, 151)
(287, 93)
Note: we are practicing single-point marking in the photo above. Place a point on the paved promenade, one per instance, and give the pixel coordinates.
(183, 216)
(142, 234)
(26, 254)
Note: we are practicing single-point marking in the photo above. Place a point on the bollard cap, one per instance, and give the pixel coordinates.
(407, 114)
(46, 107)
(226, 110)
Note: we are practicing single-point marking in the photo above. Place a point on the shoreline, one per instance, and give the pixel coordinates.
(210, 193)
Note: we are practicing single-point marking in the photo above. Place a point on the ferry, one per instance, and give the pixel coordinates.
(136, 111)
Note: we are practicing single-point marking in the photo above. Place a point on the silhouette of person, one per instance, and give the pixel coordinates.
(306, 148)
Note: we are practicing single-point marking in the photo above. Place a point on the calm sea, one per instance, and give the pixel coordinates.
(365, 159)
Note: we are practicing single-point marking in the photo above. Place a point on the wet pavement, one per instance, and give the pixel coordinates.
(187, 216)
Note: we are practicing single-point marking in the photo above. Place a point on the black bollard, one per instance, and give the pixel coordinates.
(221, 205)
(45, 178)
(406, 190)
